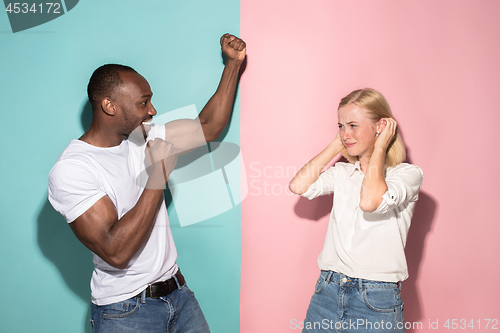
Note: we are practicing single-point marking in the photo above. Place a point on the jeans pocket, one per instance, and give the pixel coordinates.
(121, 309)
(185, 287)
(383, 300)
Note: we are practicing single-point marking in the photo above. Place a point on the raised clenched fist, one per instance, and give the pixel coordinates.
(233, 47)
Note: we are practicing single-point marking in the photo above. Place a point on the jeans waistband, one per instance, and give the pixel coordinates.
(342, 279)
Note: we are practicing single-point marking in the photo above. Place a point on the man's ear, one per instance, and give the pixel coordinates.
(108, 106)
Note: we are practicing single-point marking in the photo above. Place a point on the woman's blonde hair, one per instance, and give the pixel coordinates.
(377, 108)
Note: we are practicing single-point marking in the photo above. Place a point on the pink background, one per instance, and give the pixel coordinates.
(438, 64)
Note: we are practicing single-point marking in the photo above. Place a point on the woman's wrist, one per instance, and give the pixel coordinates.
(379, 151)
(335, 147)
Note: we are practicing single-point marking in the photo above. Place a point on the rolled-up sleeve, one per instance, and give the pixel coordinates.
(322, 186)
(403, 184)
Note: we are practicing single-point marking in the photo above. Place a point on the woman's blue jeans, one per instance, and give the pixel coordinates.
(344, 304)
(177, 312)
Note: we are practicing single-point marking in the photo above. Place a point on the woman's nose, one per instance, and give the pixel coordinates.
(345, 134)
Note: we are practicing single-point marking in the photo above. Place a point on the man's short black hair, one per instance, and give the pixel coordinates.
(104, 80)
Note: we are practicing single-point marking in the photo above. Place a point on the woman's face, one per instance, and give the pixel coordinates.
(356, 130)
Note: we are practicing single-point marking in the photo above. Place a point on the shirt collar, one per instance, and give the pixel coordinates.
(356, 166)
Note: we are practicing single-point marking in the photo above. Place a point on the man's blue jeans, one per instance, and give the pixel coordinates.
(344, 304)
(177, 312)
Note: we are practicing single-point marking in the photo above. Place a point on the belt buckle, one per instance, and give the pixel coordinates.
(155, 289)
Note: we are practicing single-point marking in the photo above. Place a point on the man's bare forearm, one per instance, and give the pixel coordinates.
(128, 234)
(216, 113)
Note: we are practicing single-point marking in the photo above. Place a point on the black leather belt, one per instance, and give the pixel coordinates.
(159, 289)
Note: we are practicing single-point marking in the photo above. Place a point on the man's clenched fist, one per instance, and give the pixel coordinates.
(161, 158)
(233, 47)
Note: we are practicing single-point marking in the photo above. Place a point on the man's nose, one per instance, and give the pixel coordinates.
(152, 111)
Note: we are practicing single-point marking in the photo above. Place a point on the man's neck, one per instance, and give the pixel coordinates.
(100, 138)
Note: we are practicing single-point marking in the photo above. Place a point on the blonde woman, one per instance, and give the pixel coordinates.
(363, 261)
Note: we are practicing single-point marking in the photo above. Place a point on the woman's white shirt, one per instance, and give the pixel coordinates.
(367, 245)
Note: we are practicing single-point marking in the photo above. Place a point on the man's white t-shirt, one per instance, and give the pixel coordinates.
(82, 175)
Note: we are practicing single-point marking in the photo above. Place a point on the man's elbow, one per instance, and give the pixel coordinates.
(212, 136)
(212, 129)
(118, 262)
(210, 133)
(120, 265)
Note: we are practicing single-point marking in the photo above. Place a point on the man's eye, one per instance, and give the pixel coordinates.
(353, 126)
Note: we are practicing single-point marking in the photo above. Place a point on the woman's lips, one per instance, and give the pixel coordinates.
(349, 145)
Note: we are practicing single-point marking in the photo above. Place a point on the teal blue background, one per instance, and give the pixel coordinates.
(44, 73)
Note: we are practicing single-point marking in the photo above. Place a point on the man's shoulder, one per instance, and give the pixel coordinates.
(73, 159)
(76, 149)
